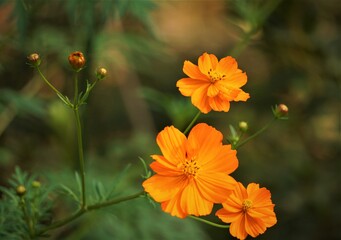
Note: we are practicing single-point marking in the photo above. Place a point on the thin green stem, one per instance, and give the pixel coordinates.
(48, 83)
(28, 220)
(67, 220)
(209, 222)
(80, 154)
(82, 211)
(79, 140)
(238, 145)
(76, 90)
(115, 201)
(193, 121)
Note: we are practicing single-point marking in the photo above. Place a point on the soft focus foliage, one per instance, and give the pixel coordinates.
(289, 49)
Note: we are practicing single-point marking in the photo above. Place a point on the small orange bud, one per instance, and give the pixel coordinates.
(101, 73)
(281, 111)
(77, 60)
(34, 59)
(21, 190)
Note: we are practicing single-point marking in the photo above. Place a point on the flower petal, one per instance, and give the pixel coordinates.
(193, 203)
(254, 226)
(172, 143)
(163, 188)
(207, 62)
(212, 91)
(193, 71)
(173, 207)
(165, 170)
(236, 79)
(242, 96)
(226, 161)
(237, 228)
(215, 187)
(206, 142)
(199, 99)
(219, 104)
(188, 85)
(227, 66)
(228, 216)
(226, 92)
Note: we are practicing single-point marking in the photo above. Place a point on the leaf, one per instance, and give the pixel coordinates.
(65, 100)
(99, 190)
(148, 173)
(70, 193)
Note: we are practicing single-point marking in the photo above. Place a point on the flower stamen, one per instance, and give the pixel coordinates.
(190, 167)
(215, 76)
(247, 204)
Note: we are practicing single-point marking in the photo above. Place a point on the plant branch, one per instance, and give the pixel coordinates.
(82, 211)
(256, 133)
(209, 222)
(193, 121)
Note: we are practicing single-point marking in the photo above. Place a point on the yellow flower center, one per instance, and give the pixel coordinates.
(247, 204)
(215, 76)
(190, 167)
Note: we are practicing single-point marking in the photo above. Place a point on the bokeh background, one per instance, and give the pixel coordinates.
(290, 50)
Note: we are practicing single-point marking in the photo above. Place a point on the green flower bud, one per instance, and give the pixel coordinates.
(36, 184)
(243, 126)
(101, 73)
(21, 190)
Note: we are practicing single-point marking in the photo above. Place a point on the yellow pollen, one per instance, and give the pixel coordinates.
(190, 167)
(215, 76)
(247, 204)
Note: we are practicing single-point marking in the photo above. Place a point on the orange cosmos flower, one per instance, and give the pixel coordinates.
(250, 211)
(192, 173)
(213, 84)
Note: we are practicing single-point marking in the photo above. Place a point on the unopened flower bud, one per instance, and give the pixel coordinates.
(101, 73)
(34, 59)
(36, 184)
(243, 126)
(21, 190)
(77, 60)
(281, 111)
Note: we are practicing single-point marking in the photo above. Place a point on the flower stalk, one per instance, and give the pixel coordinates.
(192, 122)
(82, 211)
(79, 141)
(209, 222)
(241, 143)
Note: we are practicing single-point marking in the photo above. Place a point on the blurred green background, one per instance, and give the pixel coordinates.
(289, 49)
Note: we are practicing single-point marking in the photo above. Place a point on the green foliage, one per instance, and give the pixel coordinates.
(23, 104)
(23, 213)
(180, 111)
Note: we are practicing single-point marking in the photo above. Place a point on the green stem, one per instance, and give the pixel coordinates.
(79, 141)
(48, 83)
(76, 91)
(80, 154)
(193, 121)
(209, 222)
(27, 218)
(81, 211)
(115, 201)
(67, 220)
(255, 134)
